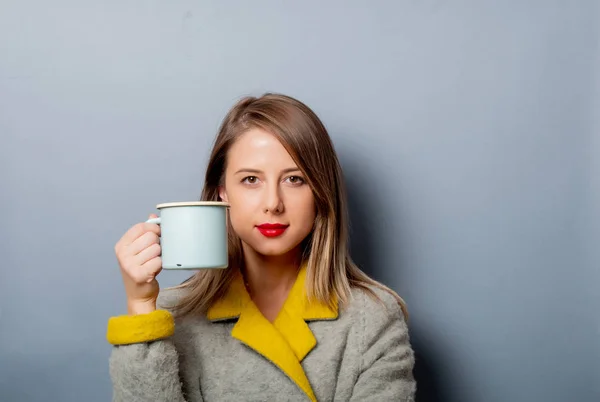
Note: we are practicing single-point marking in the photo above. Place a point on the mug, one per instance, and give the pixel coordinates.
(193, 234)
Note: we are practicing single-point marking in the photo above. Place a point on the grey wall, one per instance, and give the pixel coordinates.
(468, 131)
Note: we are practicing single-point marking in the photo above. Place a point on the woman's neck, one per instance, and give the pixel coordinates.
(270, 279)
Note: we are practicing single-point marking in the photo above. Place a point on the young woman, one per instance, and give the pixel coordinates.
(292, 318)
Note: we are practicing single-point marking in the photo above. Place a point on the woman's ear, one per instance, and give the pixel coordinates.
(223, 194)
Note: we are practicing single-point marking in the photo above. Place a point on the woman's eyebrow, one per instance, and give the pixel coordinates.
(257, 171)
(247, 170)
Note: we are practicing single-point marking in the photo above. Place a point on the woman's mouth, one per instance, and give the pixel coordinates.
(272, 229)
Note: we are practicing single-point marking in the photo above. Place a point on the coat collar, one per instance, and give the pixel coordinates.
(236, 300)
(287, 340)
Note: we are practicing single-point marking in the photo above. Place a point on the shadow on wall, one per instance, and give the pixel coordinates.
(365, 250)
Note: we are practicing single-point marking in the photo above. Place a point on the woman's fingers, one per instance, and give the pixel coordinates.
(142, 243)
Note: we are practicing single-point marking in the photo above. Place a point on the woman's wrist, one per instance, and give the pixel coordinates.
(141, 307)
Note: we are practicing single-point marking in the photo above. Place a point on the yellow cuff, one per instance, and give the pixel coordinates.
(128, 329)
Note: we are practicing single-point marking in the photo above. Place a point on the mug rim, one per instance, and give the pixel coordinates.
(192, 204)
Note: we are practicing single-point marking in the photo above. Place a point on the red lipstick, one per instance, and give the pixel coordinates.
(272, 229)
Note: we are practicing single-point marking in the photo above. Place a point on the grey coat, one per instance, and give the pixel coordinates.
(310, 352)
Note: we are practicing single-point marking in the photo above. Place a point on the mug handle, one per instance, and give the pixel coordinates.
(154, 220)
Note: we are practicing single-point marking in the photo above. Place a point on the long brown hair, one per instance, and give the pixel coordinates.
(330, 272)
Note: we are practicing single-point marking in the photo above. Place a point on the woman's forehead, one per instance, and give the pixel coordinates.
(259, 149)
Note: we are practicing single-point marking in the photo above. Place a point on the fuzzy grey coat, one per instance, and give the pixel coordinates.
(361, 353)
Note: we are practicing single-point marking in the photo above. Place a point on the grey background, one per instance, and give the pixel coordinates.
(468, 131)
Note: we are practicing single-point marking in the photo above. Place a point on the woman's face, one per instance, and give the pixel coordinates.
(272, 208)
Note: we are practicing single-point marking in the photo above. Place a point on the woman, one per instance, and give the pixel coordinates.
(292, 318)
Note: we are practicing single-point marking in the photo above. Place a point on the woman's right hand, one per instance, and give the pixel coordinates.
(138, 253)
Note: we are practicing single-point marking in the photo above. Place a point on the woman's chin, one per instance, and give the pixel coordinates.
(272, 251)
(272, 247)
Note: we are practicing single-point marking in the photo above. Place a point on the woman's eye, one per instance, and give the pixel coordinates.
(295, 179)
(250, 179)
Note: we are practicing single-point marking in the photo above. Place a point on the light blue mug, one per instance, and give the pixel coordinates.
(193, 234)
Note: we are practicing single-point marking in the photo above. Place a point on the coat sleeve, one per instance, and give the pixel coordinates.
(144, 363)
(387, 357)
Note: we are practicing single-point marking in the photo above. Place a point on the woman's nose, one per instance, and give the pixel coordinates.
(273, 200)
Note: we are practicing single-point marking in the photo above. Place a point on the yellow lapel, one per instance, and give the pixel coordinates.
(287, 340)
